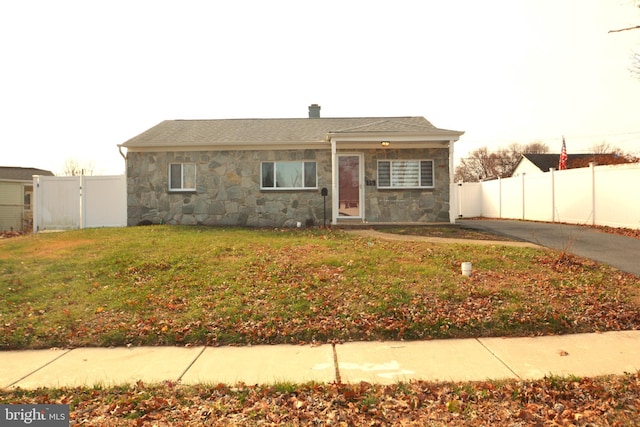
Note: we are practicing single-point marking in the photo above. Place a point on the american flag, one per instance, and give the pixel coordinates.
(563, 156)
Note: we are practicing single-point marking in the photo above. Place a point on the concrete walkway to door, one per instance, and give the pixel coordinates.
(619, 251)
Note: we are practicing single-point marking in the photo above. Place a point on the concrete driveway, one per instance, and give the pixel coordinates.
(618, 251)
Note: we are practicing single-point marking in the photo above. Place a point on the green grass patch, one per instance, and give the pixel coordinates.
(171, 285)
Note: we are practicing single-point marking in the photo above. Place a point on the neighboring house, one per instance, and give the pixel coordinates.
(16, 192)
(272, 172)
(538, 163)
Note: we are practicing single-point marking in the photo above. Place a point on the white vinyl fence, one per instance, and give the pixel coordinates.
(597, 195)
(68, 202)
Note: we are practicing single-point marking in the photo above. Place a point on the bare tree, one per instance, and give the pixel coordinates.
(606, 148)
(635, 56)
(603, 148)
(73, 167)
(536, 147)
(635, 65)
(484, 164)
(619, 30)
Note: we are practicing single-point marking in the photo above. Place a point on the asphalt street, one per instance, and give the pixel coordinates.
(619, 251)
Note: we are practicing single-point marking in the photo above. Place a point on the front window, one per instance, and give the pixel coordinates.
(182, 177)
(288, 175)
(405, 174)
(28, 191)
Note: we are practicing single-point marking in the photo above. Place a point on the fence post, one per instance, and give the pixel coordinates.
(459, 199)
(593, 192)
(123, 218)
(35, 203)
(523, 174)
(553, 194)
(81, 200)
(500, 197)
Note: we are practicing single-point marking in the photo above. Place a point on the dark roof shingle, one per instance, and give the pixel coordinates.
(273, 131)
(15, 173)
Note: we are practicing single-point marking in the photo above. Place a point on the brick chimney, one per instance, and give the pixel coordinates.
(314, 111)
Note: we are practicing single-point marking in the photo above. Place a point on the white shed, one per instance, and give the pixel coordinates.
(16, 193)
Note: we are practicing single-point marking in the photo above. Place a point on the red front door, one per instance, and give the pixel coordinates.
(349, 200)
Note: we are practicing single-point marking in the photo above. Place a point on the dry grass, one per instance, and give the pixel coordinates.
(165, 285)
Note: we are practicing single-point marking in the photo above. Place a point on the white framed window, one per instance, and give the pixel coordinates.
(288, 175)
(182, 177)
(405, 174)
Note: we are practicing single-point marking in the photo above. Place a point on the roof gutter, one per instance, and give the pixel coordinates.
(440, 135)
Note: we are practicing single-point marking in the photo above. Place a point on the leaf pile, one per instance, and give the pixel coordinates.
(627, 232)
(553, 401)
(6, 234)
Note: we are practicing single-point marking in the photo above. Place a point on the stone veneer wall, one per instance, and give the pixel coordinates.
(415, 205)
(228, 190)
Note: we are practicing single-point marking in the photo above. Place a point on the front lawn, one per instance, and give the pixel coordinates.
(166, 285)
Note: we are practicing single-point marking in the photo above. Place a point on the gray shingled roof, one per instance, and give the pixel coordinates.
(21, 174)
(171, 133)
(544, 161)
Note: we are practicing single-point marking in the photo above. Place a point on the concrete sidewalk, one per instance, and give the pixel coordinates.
(376, 362)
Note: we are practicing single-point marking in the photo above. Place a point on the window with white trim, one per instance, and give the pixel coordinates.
(288, 175)
(182, 177)
(405, 174)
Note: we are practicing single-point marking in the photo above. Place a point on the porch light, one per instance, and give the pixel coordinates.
(385, 143)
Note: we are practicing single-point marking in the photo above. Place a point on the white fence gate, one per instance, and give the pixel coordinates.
(68, 202)
(597, 195)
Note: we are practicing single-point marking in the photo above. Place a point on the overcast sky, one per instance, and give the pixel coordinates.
(79, 77)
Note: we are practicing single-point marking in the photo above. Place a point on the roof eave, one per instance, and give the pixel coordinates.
(321, 145)
(395, 136)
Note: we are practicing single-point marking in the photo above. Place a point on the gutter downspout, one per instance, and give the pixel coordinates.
(124, 156)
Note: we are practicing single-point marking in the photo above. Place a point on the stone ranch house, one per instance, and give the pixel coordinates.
(290, 172)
